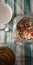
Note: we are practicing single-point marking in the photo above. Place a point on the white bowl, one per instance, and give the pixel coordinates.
(5, 13)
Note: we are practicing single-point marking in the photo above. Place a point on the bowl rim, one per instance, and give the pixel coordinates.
(10, 10)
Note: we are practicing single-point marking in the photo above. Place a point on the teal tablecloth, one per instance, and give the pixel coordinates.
(19, 7)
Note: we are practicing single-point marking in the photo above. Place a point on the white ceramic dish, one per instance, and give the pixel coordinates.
(5, 13)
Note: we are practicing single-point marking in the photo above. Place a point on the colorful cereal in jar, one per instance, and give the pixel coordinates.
(25, 28)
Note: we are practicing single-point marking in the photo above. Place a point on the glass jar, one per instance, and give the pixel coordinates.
(24, 32)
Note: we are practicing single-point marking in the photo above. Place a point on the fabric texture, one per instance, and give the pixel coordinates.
(18, 7)
(24, 52)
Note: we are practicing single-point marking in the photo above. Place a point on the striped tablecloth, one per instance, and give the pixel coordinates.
(24, 53)
(18, 7)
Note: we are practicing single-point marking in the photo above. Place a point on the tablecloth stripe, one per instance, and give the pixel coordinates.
(31, 7)
(5, 35)
(32, 53)
(19, 7)
(5, 1)
(14, 8)
(20, 54)
(27, 53)
(26, 6)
